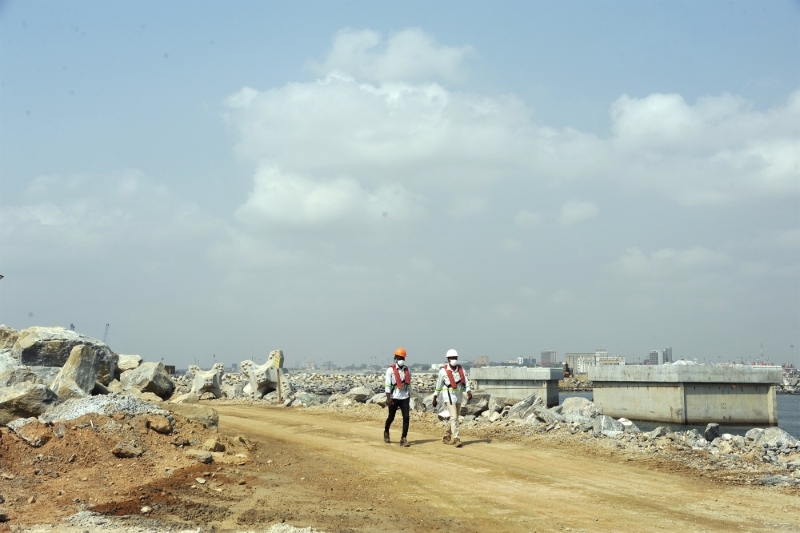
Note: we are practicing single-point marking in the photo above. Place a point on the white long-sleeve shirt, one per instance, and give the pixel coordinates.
(449, 394)
(398, 393)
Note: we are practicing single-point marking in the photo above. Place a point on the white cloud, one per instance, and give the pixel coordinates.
(408, 55)
(121, 213)
(510, 244)
(577, 211)
(283, 198)
(669, 262)
(528, 219)
(714, 152)
(465, 206)
(561, 297)
(528, 293)
(788, 239)
(422, 136)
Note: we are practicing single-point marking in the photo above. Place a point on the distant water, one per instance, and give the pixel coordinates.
(788, 416)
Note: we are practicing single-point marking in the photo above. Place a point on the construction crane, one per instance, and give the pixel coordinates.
(105, 335)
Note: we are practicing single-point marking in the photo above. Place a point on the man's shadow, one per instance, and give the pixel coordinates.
(468, 442)
(422, 441)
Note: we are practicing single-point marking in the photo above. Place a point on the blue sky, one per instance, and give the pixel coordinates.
(336, 179)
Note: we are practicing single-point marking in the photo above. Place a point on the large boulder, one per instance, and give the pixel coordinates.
(12, 372)
(8, 336)
(605, 424)
(524, 408)
(498, 403)
(359, 394)
(711, 432)
(478, 404)
(24, 400)
(149, 377)
(31, 431)
(197, 413)
(773, 437)
(307, 399)
(77, 377)
(52, 346)
(578, 410)
(128, 362)
(543, 414)
(378, 399)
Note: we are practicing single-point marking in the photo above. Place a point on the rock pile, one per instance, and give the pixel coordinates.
(790, 385)
(575, 384)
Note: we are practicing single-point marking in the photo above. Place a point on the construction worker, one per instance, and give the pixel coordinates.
(398, 394)
(452, 384)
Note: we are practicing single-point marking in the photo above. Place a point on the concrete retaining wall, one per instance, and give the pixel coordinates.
(518, 383)
(688, 394)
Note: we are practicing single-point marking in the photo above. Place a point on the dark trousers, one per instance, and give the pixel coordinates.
(403, 406)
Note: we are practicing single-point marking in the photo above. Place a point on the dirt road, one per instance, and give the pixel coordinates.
(313, 468)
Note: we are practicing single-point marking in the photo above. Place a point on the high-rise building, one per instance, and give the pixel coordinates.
(578, 362)
(549, 356)
(659, 357)
(482, 360)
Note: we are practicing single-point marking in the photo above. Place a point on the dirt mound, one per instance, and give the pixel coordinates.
(75, 468)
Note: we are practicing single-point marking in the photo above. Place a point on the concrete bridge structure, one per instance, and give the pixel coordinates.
(518, 382)
(688, 394)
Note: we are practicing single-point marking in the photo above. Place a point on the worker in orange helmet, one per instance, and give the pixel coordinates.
(398, 394)
(452, 383)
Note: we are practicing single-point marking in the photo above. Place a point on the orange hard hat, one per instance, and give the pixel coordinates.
(400, 352)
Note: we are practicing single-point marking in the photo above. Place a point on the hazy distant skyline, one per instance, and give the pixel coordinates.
(339, 179)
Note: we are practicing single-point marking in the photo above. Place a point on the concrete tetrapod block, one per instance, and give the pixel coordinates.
(264, 378)
(206, 380)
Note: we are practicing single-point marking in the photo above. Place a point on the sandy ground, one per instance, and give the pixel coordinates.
(332, 471)
(344, 466)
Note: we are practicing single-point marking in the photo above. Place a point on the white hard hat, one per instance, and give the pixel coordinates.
(451, 354)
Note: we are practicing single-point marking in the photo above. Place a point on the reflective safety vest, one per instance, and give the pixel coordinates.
(398, 380)
(452, 378)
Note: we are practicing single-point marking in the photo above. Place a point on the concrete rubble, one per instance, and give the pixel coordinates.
(790, 385)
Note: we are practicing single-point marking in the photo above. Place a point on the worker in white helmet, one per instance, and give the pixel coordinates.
(452, 384)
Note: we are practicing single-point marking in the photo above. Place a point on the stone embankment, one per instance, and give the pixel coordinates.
(575, 385)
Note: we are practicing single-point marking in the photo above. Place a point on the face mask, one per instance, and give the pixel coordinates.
(453, 363)
(400, 363)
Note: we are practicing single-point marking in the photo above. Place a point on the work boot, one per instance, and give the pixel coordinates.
(386, 437)
(446, 438)
(457, 442)
(404, 443)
